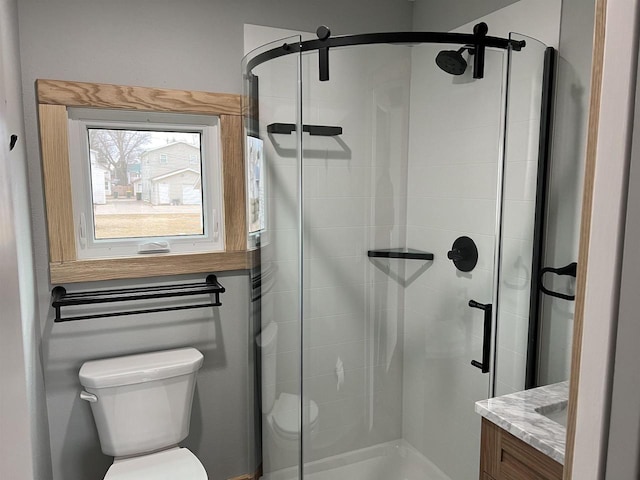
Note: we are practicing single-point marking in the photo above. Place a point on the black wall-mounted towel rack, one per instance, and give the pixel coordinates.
(61, 298)
(569, 270)
(317, 130)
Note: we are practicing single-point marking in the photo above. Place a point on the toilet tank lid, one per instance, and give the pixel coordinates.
(144, 367)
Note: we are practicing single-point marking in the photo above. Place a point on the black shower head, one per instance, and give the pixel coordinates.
(452, 61)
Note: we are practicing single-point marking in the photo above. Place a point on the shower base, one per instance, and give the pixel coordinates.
(396, 460)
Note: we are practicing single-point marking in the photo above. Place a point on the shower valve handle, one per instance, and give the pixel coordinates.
(486, 337)
(456, 254)
(463, 254)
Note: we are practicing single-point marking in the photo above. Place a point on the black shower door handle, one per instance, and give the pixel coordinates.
(486, 336)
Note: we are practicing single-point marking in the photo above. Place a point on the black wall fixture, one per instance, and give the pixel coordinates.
(464, 254)
(316, 130)
(323, 32)
(480, 31)
(570, 270)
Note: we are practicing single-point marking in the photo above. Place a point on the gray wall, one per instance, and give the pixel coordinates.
(221, 410)
(623, 457)
(445, 15)
(190, 44)
(21, 413)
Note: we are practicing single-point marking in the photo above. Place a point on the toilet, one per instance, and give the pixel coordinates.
(142, 406)
(282, 414)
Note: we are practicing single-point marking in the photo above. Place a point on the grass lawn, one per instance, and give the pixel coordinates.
(156, 225)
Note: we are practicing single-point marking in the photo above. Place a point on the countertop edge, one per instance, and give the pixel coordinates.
(516, 413)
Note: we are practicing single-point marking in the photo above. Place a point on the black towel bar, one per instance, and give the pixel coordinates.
(61, 298)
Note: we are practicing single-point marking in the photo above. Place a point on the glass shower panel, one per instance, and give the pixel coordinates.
(355, 201)
(387, 342)
(271, 97)
(517, 344)
(454, 190)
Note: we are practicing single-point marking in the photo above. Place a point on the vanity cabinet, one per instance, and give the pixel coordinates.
(505, 457)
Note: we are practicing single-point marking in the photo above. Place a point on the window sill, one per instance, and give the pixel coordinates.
(146, 266)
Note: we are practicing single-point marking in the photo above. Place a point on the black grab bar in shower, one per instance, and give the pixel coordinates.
(487, 308)
(61, 298)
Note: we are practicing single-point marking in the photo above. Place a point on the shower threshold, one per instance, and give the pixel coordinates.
(396, 460)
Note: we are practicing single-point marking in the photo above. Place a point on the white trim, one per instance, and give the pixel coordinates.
(175, 172)
(207, 126)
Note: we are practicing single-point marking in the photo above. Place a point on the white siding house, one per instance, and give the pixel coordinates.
(100, 181)
(171, 175)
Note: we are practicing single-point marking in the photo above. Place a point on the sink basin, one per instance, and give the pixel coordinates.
(556, 412)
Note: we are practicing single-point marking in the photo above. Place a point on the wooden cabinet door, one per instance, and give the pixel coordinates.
(505, 457)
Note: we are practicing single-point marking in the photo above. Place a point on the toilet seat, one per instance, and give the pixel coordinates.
(286, 415)
(174, 464)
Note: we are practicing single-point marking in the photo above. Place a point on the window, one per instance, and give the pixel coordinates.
(177, 209)
(102, 210)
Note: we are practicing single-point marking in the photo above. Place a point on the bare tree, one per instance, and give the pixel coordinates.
(118, 148)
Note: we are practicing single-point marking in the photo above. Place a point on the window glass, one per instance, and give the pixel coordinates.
(145, 183)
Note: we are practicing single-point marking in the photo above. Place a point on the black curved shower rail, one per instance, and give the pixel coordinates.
(477, 39)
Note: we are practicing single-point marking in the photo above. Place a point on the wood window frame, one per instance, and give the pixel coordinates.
(54, 97)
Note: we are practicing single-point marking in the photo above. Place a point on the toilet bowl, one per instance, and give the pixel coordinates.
(141, 405)
(284, 420)
(281, 415)
(173, 464)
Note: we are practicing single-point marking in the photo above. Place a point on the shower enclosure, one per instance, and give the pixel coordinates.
(394, 208)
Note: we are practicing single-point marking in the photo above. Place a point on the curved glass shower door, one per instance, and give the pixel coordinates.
(388, 382)
(390, 207)
(272, 121)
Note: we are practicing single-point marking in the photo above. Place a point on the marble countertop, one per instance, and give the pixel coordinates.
(528, 416)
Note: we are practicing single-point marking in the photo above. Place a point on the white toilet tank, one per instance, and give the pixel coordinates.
(141, 403)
